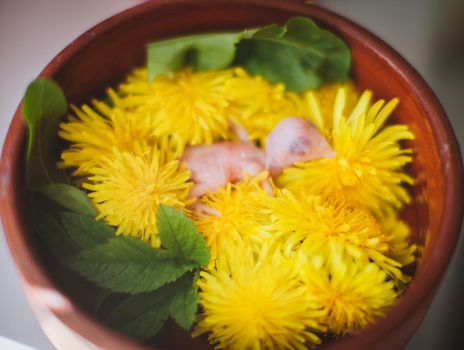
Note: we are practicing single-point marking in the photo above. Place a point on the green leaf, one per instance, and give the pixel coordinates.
(180, 236)
(44, 103)
(72, 232)
(201, 52)
(129, 265)
(141, 316)
(299, 54)
(55, 236)
(184, 303)
(102, 296)
(125, 264)
(69, 197)
(85, 231)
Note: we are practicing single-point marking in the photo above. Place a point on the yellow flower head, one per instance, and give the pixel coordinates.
(353, 294)
(127, 190)
(401, 249)
(190, 107)
(368, 165)
(258, 105)
(257, 302)
(94, 134)
(320, 104)
(318, 224)
(241, 215)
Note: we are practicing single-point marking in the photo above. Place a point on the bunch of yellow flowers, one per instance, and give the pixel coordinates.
(320, 255)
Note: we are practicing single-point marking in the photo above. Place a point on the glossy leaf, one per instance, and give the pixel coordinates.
(70, 198)
(300, 54)
(44, 103)
(129, 265)
(201, 52)
(141, 316)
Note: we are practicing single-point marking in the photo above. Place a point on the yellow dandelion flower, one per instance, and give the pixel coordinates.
(258, 105)
(241, 215)
(320, 104)
(257, 302)
(401, 249)
(331, 227)
(353, 294)
(190, 107)
(367, 168)
(136, 90)
(95, 133)
(127, 190)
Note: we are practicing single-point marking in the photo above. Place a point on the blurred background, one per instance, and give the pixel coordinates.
(428, 33)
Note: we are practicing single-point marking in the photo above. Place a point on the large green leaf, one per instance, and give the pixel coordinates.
(68, 233)
(129, 265)
(69, 197)
(184, 303)
(201, 52)
(300, 54)
(44, 103)
(85, 231)
(141, 316)
(55, 237)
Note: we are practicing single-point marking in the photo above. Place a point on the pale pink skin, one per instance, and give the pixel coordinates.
(213, 166)
(292, 140)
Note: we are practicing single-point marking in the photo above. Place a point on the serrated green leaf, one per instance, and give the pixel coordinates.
(180, 236)
(44, 103)
(70, 198)
(55, 236)
(141, 316)
(300, 54)
(184, 303)
(101, 298)
(201, 52)
(129, 265)
(68, 233)
(84, 230)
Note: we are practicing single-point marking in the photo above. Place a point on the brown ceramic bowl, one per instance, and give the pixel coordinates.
(106, 53)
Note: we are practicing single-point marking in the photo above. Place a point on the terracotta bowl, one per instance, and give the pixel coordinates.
(106, 53)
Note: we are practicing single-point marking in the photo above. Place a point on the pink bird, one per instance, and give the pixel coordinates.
(213, 166)
(292, 140)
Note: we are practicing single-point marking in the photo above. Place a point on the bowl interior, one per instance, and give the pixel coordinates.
(104, 56)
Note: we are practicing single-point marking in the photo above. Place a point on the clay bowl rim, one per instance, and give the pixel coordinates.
(426, 279)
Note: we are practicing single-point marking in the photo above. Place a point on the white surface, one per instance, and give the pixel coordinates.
(32, 32)
(8, 344)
